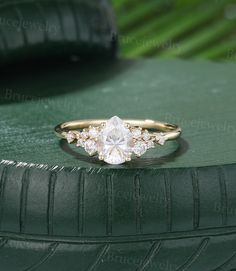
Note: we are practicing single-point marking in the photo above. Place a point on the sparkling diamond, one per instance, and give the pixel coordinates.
(136, 132)
(162, 141)
(93, 132)
(160, 138)
(150, 144)
(115, 142)
(70, 136)
(140, 148)
(80, 143)
(146, 135)
(90, 146)
(84, 134)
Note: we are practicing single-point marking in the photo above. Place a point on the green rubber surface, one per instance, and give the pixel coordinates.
(199, 96)
(42, 29)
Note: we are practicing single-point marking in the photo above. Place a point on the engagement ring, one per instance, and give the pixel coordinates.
(115, 141)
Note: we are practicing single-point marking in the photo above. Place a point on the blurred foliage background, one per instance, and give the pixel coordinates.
(177, 28)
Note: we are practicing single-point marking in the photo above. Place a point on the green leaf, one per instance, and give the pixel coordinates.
(224, 50)
(203, 38)
(174, 30)
(160, 28)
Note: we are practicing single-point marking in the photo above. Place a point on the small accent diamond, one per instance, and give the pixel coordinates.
(84, 134)
(136, 132)
(90, 147)
(162, 141)
(70, 136)
(140, 148)
(80, 143)
(146, 135)
(150, 144)
(93, 132)
(160, 138)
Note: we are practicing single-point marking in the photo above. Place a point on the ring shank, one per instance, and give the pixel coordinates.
(171, 131)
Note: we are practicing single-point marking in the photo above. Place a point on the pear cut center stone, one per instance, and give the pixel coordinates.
(115, 142)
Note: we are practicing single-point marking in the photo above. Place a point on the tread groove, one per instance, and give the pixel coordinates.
(196, 199)
(51, 251)
(22, 30)
(224, 198)
(138, 204)
(4, 41)
(23, 199)
(99, 257)
(195, 255)
(60, 18)
(81, 204)
(2, 187)
(42, 14)
(50, 208)
(72, 6)
(152, 252)
(168, 201)
(109, 189)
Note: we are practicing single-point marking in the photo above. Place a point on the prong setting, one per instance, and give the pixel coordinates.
(101, 157)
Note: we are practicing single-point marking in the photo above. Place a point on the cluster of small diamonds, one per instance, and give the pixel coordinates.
(142, 139)
(86, 139)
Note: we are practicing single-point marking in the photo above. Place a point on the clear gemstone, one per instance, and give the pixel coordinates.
(146, 135)
(150, 144)
(140, 148)
(70, 136)
(80, 143)
(84, 134)
(136, 133)
(90, 146)
(115, 142)
(162, 141)
(93, 132)
(160, 138)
